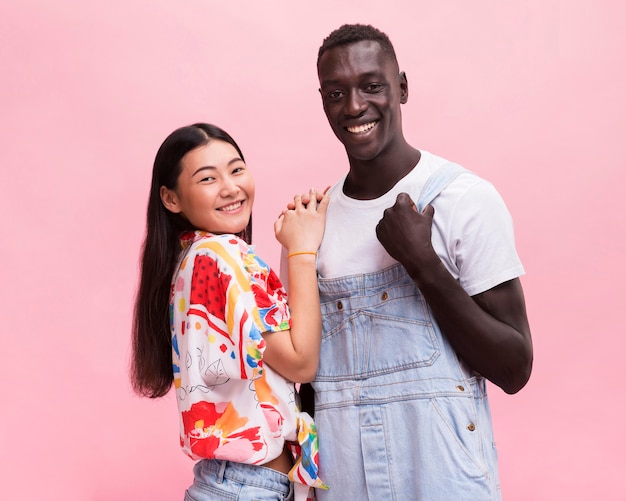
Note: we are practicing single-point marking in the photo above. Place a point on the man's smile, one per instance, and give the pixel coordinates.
(360, 129)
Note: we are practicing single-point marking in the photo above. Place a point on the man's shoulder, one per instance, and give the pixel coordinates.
(467, 178)
(430, 160)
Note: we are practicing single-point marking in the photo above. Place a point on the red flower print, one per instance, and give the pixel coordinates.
(261, 297)
(274, 285)
(208, 286)
(220, 435)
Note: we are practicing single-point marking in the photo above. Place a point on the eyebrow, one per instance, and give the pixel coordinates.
(375, 75)
(212, 167)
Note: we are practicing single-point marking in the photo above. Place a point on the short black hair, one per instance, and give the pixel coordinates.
(352, 33)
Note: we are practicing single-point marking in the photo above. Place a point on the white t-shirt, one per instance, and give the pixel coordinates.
(472, 230)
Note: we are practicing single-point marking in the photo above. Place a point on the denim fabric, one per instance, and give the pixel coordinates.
(216, 480)
(399, 416)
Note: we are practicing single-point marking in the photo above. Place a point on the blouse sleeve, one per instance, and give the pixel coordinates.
(233, 298)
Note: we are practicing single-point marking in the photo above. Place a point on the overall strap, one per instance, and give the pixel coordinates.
(437, 182)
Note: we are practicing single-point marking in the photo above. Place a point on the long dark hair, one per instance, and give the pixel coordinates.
(151, 365)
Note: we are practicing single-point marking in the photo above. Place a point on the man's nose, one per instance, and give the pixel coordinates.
(355, 104)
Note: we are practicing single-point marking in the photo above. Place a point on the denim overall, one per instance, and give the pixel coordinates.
(399, 416)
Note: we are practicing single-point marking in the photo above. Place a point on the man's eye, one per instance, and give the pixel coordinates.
(335, 94)
(374, 87)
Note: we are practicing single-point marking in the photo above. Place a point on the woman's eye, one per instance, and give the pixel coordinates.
(239, 168)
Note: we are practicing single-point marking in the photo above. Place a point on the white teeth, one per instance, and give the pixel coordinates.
(231, 207)
(357, 129)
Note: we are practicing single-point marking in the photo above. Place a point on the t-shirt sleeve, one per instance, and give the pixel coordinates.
(480, 237)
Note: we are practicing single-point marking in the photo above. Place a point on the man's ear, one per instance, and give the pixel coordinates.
(170, 200)
(404, 87)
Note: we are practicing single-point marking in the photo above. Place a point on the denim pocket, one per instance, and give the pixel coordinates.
(463, 439)
(370, 343)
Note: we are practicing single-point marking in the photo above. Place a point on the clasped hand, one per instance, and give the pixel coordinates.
(300, 227)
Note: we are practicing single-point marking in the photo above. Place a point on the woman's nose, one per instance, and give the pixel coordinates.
(229, 187)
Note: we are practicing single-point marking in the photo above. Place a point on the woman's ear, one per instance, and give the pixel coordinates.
(170, 200)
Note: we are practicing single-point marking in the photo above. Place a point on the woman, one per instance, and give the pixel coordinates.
(212, 318)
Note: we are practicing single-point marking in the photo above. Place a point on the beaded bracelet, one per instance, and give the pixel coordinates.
(303, 252)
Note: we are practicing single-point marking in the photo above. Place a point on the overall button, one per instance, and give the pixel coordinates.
(339, 305)
(385, 296)
(460, 388)
(471, 427)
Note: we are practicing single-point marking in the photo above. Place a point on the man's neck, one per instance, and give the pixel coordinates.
(370, 179)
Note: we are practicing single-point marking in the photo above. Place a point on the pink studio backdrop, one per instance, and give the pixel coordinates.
(528, 94)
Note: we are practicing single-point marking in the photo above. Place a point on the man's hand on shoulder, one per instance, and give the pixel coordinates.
(406, 235)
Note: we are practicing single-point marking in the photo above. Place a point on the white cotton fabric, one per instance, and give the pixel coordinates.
(472, 230)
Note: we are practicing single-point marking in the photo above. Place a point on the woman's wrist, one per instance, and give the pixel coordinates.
(301, 253)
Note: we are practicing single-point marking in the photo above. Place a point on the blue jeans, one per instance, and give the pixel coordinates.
(216, 480)
(399, 416)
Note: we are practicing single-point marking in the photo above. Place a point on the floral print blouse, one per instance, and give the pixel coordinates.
(231, 406)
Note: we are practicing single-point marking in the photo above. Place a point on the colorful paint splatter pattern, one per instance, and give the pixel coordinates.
(223, 298)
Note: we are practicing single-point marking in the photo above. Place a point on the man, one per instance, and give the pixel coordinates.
(420, 304)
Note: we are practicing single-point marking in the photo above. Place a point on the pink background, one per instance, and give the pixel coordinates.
(528, 94)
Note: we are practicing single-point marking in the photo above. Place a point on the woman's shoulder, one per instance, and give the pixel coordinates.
(203, 242)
